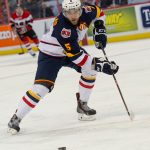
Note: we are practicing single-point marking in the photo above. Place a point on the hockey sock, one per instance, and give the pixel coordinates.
(28, 46)
(36, 41)
(86, 85)
(31, 99)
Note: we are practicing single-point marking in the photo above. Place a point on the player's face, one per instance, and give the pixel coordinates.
(73, 15)
(19, 11)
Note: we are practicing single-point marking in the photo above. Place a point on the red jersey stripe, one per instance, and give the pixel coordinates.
(83, 61)
(102, 14)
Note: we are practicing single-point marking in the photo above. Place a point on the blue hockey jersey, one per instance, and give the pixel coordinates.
(63, 37)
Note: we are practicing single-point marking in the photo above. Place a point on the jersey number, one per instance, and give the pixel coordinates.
(68, 46)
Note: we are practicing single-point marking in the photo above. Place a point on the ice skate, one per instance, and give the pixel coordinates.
(32, 53)
(85, 113)
(13, 125)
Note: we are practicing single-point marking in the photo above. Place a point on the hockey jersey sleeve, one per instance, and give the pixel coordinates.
(100, 14)
(92, 13)
(29, 18)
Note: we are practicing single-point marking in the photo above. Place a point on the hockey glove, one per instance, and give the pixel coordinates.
(99, 34)
(29, 27)
(21, 30)
(102, 65)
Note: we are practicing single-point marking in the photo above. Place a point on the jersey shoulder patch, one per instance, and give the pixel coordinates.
(63, 31)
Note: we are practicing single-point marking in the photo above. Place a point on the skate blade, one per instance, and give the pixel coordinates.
(83, 117)
(12, 131)
(131, 116)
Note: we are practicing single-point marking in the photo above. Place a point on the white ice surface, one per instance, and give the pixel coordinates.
(53, 123)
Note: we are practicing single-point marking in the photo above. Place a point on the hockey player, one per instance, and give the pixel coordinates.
(21, 22)
(58, 48)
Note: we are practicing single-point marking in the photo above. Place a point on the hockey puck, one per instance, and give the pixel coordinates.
(62, 148)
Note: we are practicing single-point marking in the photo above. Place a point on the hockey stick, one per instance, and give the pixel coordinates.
(20, 44)
(131, 116)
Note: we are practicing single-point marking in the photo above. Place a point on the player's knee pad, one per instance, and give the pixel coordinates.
(89, 73)
(87, 70)
(39, 90)
(46, 83)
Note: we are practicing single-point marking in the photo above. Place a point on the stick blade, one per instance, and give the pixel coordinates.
(132, 116)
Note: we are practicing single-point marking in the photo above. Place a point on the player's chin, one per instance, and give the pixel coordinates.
(74, 22)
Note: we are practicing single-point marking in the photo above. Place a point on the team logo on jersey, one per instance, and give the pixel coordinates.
(65, 33)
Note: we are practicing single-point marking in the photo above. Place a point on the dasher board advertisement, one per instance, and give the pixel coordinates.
(119, 20)
(145, 13)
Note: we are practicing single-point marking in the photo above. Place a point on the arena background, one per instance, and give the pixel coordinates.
(125, 20)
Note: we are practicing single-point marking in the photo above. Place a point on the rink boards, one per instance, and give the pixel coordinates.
(125, 23)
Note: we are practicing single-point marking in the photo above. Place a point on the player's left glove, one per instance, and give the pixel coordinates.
(102, 65)
(99, 34)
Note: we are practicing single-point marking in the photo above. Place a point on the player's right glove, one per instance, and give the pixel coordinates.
(102, 65)
(99, 34)
(28, 25)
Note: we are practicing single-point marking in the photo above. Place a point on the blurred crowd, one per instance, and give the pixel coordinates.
(50, 8)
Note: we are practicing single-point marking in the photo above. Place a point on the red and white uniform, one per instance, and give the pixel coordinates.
(22, 23)
(23, 26)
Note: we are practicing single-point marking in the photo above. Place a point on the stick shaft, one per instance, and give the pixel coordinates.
(19, 40)
(118, 87)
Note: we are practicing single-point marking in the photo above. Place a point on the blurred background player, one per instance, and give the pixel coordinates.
(21, 22)
(59, 47)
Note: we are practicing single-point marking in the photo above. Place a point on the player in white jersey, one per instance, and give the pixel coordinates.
(58, 48)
